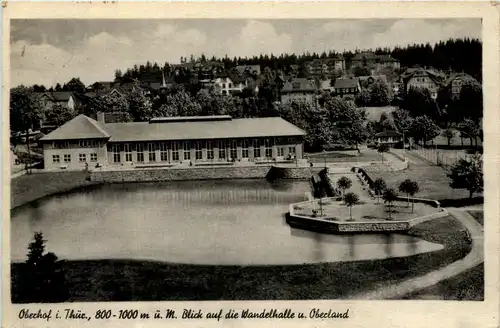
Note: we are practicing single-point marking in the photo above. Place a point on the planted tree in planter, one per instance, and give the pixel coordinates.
(350, 200)
(379, 186)
(410, 188)
(383, 148)
(390, 196)
(343, 184)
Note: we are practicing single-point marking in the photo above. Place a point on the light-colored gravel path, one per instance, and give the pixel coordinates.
(475, 257)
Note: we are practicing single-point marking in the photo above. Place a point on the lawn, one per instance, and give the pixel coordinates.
(28, 188)
(478, 215)
(432, 180)
(366, 155)
(113, 280)
(468, 285)
(364, 211)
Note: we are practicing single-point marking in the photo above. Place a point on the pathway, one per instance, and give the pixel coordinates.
(356, 186)
(475, 257)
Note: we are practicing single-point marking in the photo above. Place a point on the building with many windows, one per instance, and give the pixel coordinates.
(85, 142)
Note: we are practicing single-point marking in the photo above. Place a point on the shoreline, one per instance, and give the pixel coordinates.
(139, 280)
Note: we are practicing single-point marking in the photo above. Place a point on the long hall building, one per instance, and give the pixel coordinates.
(84, 142)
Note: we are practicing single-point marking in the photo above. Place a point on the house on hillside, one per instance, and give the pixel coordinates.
(370, 59)
(453, 84)
(366, 81)
(68, 99)
(299, 89)
(325, 66)
(229, 83)
(390, 138)
(248, 70)
(346, 86)
(421, 78)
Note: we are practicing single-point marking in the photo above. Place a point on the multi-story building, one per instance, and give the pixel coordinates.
(325, 66)
(347, 86)
(420, 78)
(299, 89)
(455, 82)
(370, 59)
(84, 142)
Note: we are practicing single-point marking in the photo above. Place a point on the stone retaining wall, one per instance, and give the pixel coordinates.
(322, 225)
(192, 173)
(201, 173)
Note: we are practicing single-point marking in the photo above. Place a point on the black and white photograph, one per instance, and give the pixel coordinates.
(246, 160)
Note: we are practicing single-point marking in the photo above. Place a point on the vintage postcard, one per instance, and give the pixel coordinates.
(243, 164)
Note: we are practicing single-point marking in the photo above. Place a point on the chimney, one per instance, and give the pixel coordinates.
(100, 117)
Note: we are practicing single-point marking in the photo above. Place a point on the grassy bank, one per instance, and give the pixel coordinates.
(113, 280)
(432, 180)
(27, 188)
(468, 285)
(478, 216)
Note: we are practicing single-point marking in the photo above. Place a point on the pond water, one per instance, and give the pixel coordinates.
(227, 222)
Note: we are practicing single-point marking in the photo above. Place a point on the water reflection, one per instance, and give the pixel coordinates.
(200, 222)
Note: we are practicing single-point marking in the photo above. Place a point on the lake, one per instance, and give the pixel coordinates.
(225, 222)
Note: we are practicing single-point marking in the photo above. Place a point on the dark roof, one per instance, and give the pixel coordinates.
(462, 76)
(388, 133)
(364, 55)
(346, 83)
(248, 68)
(59, 96)
(299, 85)
(412, 72)
(219, 129)
(363, 79)
(80, 127)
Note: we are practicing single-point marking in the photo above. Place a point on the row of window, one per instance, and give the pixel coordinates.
(86, 143)
(82, 158)
(186, 151)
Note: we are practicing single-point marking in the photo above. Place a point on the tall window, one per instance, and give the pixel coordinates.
(116, 154)
(244, 149)
(233, 150)
(291, 150)
(152, 153)
(268, 149)
(93, 157)
(256, 148)
(140, 152)
(82, 158)
(164, 152)
(67, 158)
(210, 150)
(128, 152)
(222, 150)
(281, 151)
(56, 159)
(187, 151)
(198, 153)
(175, 151)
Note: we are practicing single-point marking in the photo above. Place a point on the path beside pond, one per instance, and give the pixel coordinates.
(475, 257)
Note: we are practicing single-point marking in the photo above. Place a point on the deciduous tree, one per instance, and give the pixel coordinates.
(390, 196)
(468, 174)
(350, 200)
(343, 184)
(410, 188)
(379, 186)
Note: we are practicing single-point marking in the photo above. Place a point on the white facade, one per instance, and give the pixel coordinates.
(74, 154)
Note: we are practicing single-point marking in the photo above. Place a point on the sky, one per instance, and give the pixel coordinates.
(51, 51)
